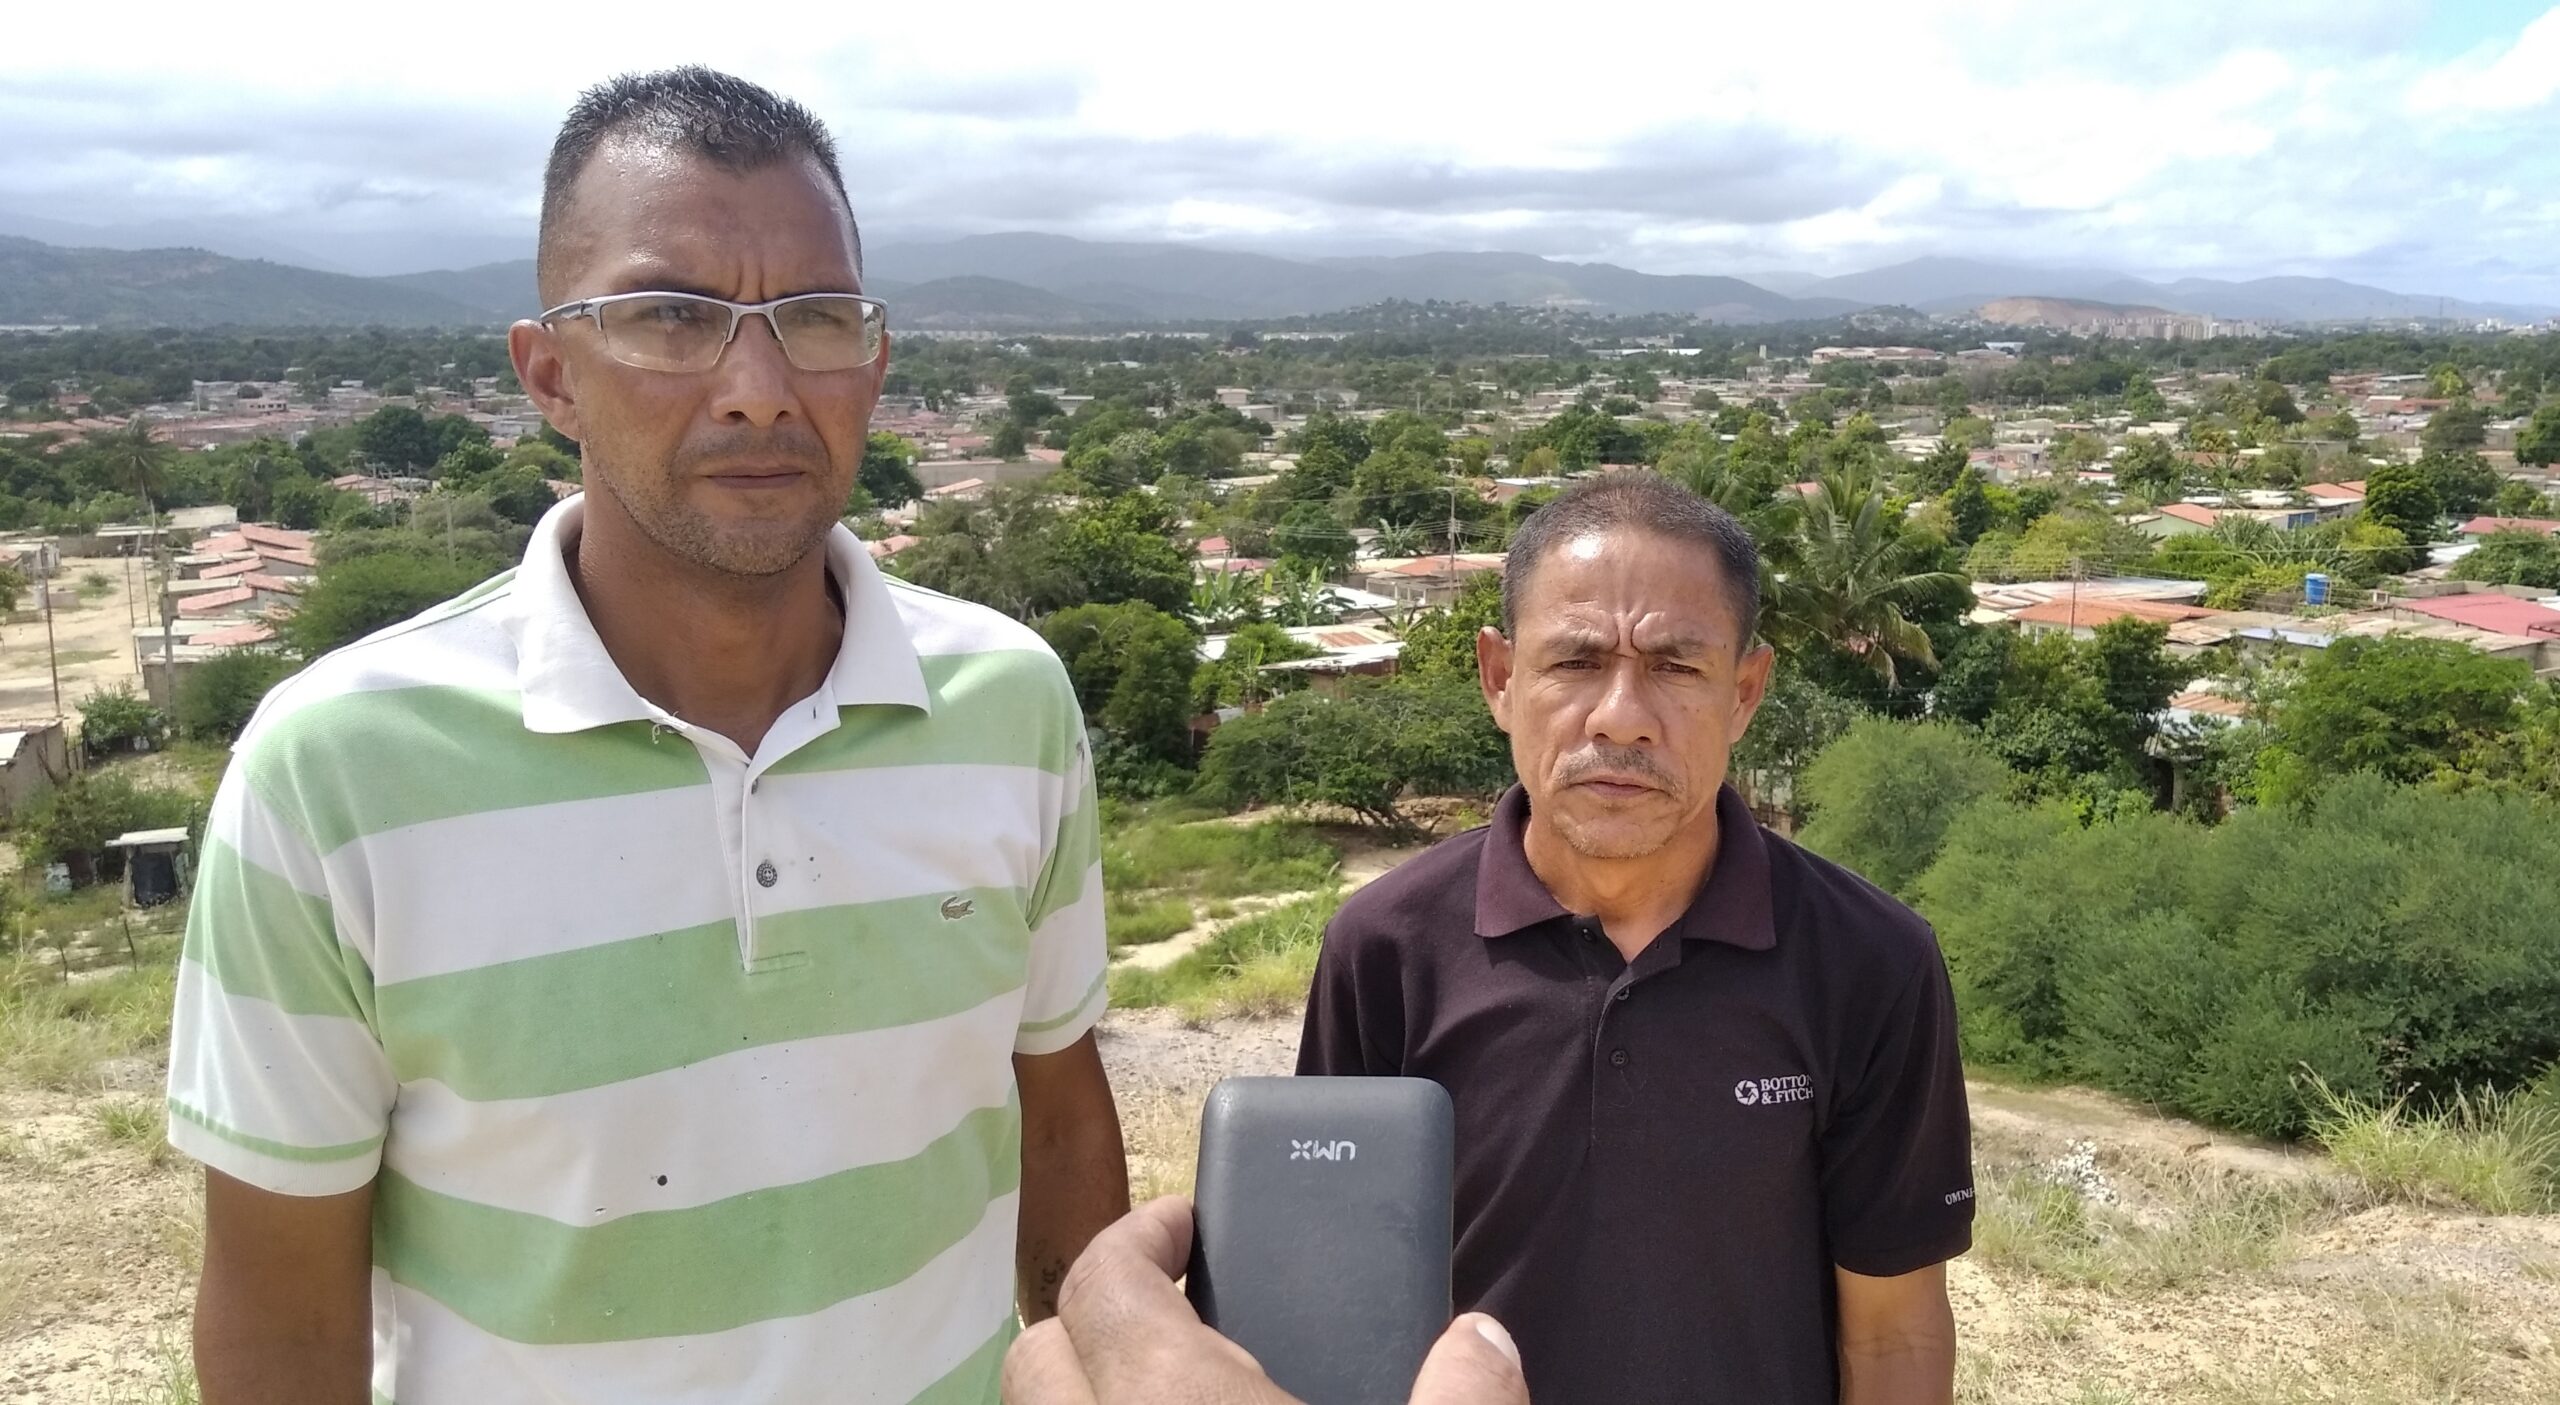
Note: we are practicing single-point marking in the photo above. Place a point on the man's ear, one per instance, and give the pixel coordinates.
(535, 349)
(1493, 672)
(1750, 685)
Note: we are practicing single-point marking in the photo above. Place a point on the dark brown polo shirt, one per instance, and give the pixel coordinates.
(1659, 1162)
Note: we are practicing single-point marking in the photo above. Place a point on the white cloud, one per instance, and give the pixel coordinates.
(2183, 136)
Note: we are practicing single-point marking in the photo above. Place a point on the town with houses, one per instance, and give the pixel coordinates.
(228, 583)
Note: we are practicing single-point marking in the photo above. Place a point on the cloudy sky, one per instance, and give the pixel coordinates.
(2397, 142)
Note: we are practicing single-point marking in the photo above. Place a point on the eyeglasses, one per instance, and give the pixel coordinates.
(687, 332)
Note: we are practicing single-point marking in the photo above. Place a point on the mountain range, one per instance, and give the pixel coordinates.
(1031, 282)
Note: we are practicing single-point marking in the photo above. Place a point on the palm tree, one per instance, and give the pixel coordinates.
(1845, 575)
(131, 456)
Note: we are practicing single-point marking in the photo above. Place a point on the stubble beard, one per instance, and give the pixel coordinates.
(745, 551)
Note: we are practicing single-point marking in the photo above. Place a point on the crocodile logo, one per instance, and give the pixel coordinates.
(953, 909)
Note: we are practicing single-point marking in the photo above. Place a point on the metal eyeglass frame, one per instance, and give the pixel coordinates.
(738, 312)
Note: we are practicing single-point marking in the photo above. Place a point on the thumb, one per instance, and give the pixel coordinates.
(1475, 1362)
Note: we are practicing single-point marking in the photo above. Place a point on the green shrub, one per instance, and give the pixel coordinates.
(217, 697)
(356, 595)
(113, 718)
(74, 823)
(1883, 795)
(2387, 941)
(1362, 749)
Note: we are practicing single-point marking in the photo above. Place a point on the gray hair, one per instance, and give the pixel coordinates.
(1643, 499)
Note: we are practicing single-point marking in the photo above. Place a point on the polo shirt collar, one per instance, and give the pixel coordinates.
(569, 683)
(1732, 907)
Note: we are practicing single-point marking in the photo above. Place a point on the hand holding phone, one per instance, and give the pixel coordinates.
(1124, 1336)
(1324, 1224)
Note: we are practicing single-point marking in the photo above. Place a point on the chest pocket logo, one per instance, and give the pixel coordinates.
(955, 908)
(1758, 1092)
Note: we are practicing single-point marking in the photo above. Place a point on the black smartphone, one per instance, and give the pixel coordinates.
(1323, 1223)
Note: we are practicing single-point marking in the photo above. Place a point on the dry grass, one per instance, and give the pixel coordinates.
(171, 1381)
(1163, 1135)
(138, 1123)
(2174, 1224)
(2495, 1152)
(54, 1034)
(2416, 1347)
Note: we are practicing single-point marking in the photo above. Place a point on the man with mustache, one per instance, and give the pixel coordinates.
(1712, 1143)
(666, 972)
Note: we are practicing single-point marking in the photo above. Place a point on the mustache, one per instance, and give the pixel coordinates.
(783, 443)
(1604, 760)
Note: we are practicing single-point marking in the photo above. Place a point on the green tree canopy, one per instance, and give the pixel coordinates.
(1443, 641)
(2538, 442)
(2514, 558)
(2403, 498)
(352, 598)
(2401, 707)
(1131, 665)
(2456, 429)
(2151, 469)
(888, 470)
(1124, 549)
(1882, 796)
(2463, 481)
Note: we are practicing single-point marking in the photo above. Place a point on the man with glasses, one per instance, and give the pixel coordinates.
(667, 971)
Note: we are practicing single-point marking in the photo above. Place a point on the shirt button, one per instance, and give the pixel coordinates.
(1617, 1058)
(1625, 990)
(766, 874)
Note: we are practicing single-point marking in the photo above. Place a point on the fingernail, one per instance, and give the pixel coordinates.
(1495, 1333)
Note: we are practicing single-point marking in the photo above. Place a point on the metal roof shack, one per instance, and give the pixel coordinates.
(2490, 610)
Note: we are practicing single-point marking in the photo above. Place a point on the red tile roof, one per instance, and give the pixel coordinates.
(260, 534)
(214, 602)
(285, 585)
(2483, 526)
(2489, 610)
(241, 567)
(235, 637)
(2197, 513)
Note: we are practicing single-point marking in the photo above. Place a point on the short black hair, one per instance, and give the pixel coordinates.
(1644, 499)
(728, 121)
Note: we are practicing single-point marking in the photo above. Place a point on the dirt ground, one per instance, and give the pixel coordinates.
(92, 641)
(2364, 1304)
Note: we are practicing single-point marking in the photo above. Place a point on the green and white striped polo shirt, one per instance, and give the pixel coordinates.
(681, 1075)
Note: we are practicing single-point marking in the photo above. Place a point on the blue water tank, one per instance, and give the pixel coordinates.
(2315, 589)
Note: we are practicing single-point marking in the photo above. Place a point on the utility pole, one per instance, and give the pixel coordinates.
(1453, 532)
(51, 664)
